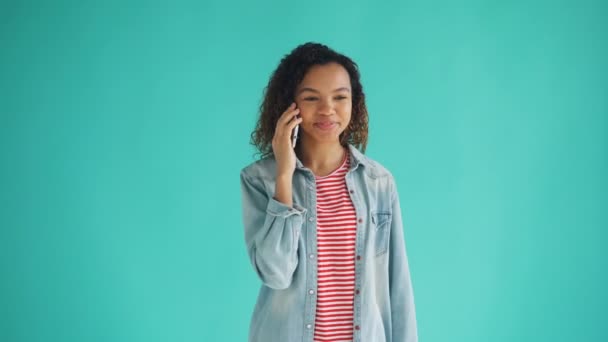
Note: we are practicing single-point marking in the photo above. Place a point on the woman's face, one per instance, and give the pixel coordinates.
(325, 101)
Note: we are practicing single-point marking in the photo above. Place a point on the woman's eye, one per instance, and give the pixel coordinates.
(314, 98)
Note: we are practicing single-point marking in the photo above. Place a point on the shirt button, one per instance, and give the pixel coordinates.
(312, 256)
(311, 291)
(360, 220)
(311, 219)
(308, 326)
(358, 257)
(356, 327)
(352, 191)
(357, 291)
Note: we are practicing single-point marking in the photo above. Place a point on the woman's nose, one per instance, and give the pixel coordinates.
(326, 107)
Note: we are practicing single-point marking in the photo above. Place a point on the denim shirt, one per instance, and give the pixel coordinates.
(282, 246)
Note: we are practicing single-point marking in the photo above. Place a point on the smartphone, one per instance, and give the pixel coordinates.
(294, 136)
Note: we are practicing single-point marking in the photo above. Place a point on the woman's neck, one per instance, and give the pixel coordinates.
(322, 159)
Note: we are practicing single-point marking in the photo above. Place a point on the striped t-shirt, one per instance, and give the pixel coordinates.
(336, 232)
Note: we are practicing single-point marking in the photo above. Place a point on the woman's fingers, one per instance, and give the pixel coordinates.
(292, 124)
(286, 121)
(287, 130)
(288, 114)
(281, 141)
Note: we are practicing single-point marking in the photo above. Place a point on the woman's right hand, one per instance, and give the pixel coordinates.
(281, 142)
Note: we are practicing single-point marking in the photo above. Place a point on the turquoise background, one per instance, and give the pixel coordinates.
(124, 126)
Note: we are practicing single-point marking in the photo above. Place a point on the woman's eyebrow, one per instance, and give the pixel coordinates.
(316, 91)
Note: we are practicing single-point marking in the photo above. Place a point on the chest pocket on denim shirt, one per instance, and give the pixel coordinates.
(381, 227)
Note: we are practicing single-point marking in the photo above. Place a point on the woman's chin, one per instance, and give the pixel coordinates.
(324, 136)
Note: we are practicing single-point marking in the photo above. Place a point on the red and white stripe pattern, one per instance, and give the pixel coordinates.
(336, 232)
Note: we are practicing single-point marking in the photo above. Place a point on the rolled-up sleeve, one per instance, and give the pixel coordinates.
(403, 312)
(272, 230)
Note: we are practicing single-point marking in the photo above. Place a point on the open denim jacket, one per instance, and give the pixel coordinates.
(282, 245)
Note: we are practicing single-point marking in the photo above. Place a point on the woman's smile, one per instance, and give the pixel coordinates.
(325, 125)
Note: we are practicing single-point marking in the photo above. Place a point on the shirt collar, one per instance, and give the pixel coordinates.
(356, 158)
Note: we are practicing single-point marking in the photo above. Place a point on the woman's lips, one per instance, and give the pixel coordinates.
(325, 126)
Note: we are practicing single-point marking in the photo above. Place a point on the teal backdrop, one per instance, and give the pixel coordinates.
(124, 126)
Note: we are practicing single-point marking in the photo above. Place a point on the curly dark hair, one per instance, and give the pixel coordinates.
(280, 91)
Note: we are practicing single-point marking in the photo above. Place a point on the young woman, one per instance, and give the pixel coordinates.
(322, 221)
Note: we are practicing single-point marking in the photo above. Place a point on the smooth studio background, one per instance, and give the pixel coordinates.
(124, 126)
